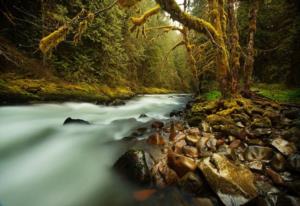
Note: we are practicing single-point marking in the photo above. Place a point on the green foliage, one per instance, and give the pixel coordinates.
(279, 92)
(212, 95)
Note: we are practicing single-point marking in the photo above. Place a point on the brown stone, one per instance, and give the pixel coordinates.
(276, 178)
(177, 147)
(157, 125)
(190, 151)
(235, 144)
(156, 139)
(181, 164)
(192, 139)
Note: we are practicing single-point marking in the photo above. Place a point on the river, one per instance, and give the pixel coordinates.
(43, 163)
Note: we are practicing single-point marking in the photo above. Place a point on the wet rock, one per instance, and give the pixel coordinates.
(273, 116)
(181, 164)
(190, 151)
(275, 177)
(239, 124)
(278, 162)
(294, 162)
(176, 113)
(193, 131)
(260, 132)
(192, 139)
(264, 122)
(258, 153)
(117, 102)
(156, 139)
(255, 142)
(135, 165)
(162, 175)
(283, 146)
(191, 183)
(157, 125)
(177, 147)
(215, 119)
(292, 113)
(204, 201)
(241, 117)
(256, 165)
(205, 127)
(143, 115)
(235, 144)
(294, 186)
(230, 130)
(69, 120)
(233, 184)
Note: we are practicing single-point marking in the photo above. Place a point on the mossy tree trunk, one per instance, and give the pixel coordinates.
(249, 61)
(213, 31)
(216, 8)
(234, 47)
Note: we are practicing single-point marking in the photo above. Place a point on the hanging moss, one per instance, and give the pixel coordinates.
(52, 40)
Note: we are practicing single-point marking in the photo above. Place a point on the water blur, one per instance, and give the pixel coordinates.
(43, 163)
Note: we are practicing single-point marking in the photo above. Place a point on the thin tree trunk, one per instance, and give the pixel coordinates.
(217, 20)
(234, 47)
(249, 61)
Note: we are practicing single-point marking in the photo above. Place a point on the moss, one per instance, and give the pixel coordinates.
(212, 95)
(279, 92)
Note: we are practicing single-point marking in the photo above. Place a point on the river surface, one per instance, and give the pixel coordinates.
(43, 163)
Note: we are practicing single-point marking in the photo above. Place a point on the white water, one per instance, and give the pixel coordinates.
(43, 163)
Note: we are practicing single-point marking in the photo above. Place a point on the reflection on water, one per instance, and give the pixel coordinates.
(43, 163)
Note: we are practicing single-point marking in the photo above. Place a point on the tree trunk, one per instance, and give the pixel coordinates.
(217, 19)
(234, 48)
(249, 61)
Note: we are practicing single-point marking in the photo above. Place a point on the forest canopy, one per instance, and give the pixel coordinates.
(180, 45)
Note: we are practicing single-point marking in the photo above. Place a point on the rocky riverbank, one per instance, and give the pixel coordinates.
(222, 152)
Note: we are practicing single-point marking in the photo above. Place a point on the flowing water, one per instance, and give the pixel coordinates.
(43, 163)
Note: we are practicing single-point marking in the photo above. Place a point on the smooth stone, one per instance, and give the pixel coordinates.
(278, 162)
(285, 147)
(258, 153)
(275, 177)
(156, 139)
(264, 122)
(190, 151)
(191, 183)
(235, 144)
(181, 164)
(256, 165)
(294, 162)
(177, 147)
(157, 125)
(233, 184)
(192, 139)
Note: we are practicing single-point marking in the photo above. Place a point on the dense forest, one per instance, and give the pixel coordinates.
(112, 50)
(149, 102)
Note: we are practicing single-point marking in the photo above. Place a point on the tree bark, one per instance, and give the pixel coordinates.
(217, 19)
(234, 47)
(249, 61)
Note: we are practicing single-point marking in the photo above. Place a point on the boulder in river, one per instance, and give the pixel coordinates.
(135, 165)
(143, 115)
(157, 125)
(233, 184)
(69, 120)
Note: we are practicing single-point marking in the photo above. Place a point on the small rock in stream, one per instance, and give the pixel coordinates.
(69, 120)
